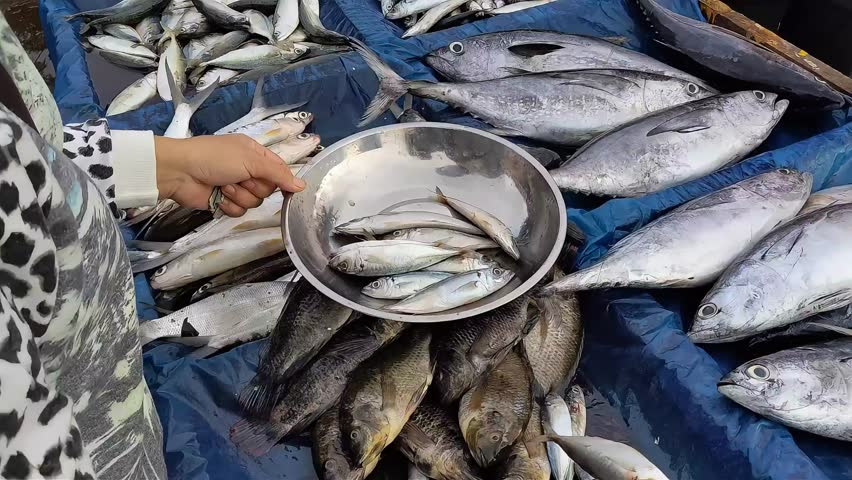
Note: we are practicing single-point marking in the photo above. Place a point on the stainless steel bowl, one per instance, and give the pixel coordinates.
(396, 168)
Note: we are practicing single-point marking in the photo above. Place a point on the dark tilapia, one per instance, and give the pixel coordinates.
(806, 331)
(382, 395)
(571, 107)
(470, 349)
(330, 460)
(494, 414)
(528, 458)
(308, 321)
(318, 387)
(261, 270)
(554, 343)
(431, 440)
(735, 56)
(501, 54)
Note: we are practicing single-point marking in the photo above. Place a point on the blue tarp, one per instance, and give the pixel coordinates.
(636, 353)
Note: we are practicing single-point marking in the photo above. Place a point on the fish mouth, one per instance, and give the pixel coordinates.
(437, 62)
(705, 335)
(781, 106)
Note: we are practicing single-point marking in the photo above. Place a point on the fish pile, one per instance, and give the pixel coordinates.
(421, 16)
(204, 42)
(427, 261)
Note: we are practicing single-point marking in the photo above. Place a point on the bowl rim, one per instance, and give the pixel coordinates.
(522, 289)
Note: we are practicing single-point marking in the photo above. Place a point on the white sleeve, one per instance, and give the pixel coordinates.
(134, 164)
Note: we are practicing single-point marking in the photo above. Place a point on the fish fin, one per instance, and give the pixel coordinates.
(151, 263)
(283, 108)
(395, 110)
(391, 85)
(833, 328)
(257, 100)
(575, 233)
(601, 82)
(255, 437)
(621, 41)
(668, 45)
(692, 121)
(530, 50)
(150, 246)
(177, 94)
(415, 438)
(514, 71)
(201, 96)
(259, 396)
(504, 132)
(833, 300)
(783, 245)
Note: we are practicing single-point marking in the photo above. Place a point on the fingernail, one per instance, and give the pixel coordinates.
(229, 189)
(249, 184)
(299, 183)
(224, 202)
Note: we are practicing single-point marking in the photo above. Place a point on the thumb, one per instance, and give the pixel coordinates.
(268, 166)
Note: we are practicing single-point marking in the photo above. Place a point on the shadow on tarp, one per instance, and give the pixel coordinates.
(636, 351)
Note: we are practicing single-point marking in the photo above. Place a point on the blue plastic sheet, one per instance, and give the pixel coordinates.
(636, 353)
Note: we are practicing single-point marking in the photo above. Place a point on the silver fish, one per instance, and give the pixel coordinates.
(123, 32)
(171, 57)
(259, 24)
(298, 35)
(455, 291)
(193, 48)
(125, 60)
(397, 287)
(215, 75)
(222, 15)
(386, 257)
(276, 129)
(694, 243)
(558, 415)
(295, 149)
(647, 155)
(606, 459)
(259, 110)
(443, 237)
(309, 19)
(285, 20)
(220, 313)
(150, 31)
(488, 223)
(226, 43)
(572, 107)
(179, 127)
(107, 11)
(826, 198)
(789, 275)
(517, 6)
(388, 222)
(193, 24)
(387, 6)
(113, 44)
(257, 56)
(217, 257)
(124, 12)
(432, 16)
(803, 388)
(466, 262)
(135, 95)
(405, 8)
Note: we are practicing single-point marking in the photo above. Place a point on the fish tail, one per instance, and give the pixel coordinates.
(259, 397)
(391, 85)
(582, 280)
(255, 437)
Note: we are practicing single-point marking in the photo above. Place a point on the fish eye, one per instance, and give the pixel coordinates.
(708, 310)
(304, 136)
(785, 171)
(760, 96)
(319, 148)
(495, 438)
(300, 50)
(303, 114)
(692, 89)
(497, 271)
(355, 435)
(457, 48)
(397, 233)
(344, 265)
(375, 284)
(161, 270)
(329, 464)
(758, 372)
(204, 288)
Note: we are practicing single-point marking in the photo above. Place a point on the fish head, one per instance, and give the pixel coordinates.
(337, 467)
(368, 436)
(754, 108)
(358, 226)
(399, 10)
(295, 50)
(348, 261)
(169, 274)
(784, 184)
(379, 288)
(189, 28)
(302, 117)
(663, 92)
(462, 58)
(490, 436)
(738, 305)
(497, 277)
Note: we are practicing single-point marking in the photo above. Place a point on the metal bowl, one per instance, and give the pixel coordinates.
(397, 167)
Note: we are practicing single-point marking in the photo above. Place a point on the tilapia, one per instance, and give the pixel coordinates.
(331, 462)
(276, 129)
(126, 60)
(443, 237)
(466, 262)
(571, 107)
(135, 95)
(431, 440)
(805, 331)
(215, 75)
(285, 20)
(432, 16)
(388, 222)
(405, 8)
(826, 198)
(123, 32)
(259, 111)
(487, 222)
(387, 257)
(217, 257)
(307, 323)
(260, 270)
(606, 459)
(789, 275)
(222, 15)
(259, 24)
(221, 46)
(672, 147)
(295, 149)
(383, 394)
(397, 287)
(150, 31)
(528, 458)
(558, 415)
(316, 388)
(472, 348)
(805, 388)
(455, 291)
(555, 343)
(124, 12)
(171, 57)
(733, 55)
(184, 110)
(255, 56)
(494, 413)
(694, 243)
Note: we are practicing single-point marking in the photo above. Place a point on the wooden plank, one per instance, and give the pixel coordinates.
(719, 13)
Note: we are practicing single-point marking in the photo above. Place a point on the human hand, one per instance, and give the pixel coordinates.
(188, 169)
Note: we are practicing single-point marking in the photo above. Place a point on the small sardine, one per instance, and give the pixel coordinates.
(260, 270)
(125, 60)
(397, 287)
(444, 238)
(466, 262)
(605, 458)
(405, 8)
(259, 110)
(376, 258)
(259, 24)
(255, 56)
(123, 32)
(294, 149)
(488, 223)
(558, 415)
(193, 24)
(432, 16)
(517, 6)
(273, 130)
(388, 222)
(135, 95)
(173, 56)
(286, 20)
(119, 45)
(215, 75)
(222, 15)
(150, 31)
(226, 43)
(455, 291)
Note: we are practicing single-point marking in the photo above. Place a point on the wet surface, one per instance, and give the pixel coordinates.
(22, 16)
